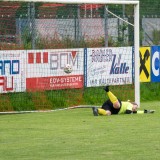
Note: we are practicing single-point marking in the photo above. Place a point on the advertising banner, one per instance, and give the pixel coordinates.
(12, 71)
(145, 64)
(45, 69)
(108, 66)
(155, 64)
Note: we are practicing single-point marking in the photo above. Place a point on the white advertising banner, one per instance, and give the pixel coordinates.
(108, 66)
(45, 69)
(22, 70)
(12, 71)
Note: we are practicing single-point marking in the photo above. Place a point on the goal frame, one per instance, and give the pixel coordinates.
(136, 30)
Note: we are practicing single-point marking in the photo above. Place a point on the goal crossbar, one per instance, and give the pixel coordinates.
(84, 1)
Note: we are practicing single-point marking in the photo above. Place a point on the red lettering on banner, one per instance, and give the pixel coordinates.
(30, 58)
(3, 83)
(45, 57)
(54, 83)
(38, 57)
(74, 53)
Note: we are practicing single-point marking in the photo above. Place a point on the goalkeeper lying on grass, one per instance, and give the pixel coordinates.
(115, 106)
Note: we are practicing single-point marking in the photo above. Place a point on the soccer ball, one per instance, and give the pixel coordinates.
(67, 68)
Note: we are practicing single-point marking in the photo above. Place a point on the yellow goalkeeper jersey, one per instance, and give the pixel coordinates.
(125, 106)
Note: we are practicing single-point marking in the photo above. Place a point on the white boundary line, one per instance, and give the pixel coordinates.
(46, 111)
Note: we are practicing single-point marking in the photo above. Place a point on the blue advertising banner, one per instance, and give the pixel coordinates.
(155, 63)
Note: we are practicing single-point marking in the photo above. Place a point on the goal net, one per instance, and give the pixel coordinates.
(99, 41)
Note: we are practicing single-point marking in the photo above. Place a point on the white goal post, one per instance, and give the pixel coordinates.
(136, 29)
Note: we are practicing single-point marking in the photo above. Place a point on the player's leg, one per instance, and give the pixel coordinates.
(112, 98)
(100, 111)
(104, 110)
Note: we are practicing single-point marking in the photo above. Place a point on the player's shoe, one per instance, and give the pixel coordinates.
(95, 111)
(149, 111)
(106, 88)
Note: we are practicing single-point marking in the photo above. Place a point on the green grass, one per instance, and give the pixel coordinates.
(78, 135)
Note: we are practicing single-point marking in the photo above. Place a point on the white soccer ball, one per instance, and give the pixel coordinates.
(68, 68)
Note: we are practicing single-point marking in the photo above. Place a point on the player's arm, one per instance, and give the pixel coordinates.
(139, 111)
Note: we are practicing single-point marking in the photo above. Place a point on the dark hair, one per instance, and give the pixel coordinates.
(134, 103)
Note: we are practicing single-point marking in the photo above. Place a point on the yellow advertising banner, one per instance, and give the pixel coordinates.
(145, 64)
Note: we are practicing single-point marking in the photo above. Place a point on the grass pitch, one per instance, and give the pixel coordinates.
(78, 135)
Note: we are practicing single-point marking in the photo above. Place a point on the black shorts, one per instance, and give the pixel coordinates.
(108, 105)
